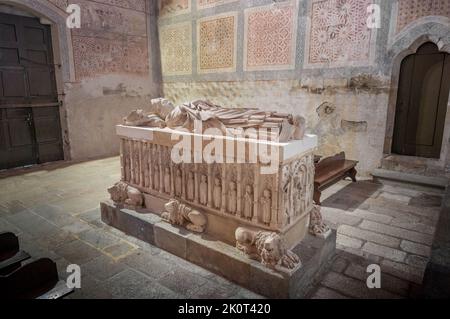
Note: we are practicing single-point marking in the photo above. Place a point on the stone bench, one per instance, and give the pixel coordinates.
(331, 170)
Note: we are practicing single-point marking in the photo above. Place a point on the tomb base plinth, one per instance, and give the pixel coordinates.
(223, 258)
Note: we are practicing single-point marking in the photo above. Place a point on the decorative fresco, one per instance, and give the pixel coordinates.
(62, 4)
(100, 20)
(410, 10)
(112, 39)
(217, 43)
(203, 4)
(270, 37)
(176, 49)
(96, 56)
(173, 7)
(137, 5)
(338, 33)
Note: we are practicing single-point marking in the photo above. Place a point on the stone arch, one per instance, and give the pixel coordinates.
(434, 29)
(61, 35)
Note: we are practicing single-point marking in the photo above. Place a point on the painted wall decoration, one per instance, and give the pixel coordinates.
(173, 7)
(270, 37)
(62, 4)
(101, 20)
(97, 56)
(216, 43)
(112, 39)
(338, 33)
(203, 4)
(137, 5)
(176, 48)
(410, 10)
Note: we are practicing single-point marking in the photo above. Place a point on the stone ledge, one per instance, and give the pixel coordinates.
(223, 259)
(421, 180)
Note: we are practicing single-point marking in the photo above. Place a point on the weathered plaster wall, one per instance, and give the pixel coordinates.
(311, 57)
(107, 67)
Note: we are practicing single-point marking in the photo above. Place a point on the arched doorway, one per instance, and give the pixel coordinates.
(422, 98)
(30, 130)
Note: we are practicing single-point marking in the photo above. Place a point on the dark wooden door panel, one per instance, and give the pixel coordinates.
(30, 132)
(9, 57)
(422, 103)
(14, 84)
(17, 142)
(8, 31)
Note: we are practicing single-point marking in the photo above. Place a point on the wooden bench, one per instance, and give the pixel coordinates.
(331, 170)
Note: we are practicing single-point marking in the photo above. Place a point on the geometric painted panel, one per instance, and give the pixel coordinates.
(216, 43)
(137, 5)
(106, 21)
(270, 37)
(95, 56)
(339, 33)
(176, 48)
(62, 4)
(174, 7)
(203, 4)
(410, 10)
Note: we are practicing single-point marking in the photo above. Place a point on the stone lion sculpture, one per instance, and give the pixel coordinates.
(123, 193)
(180, 214)
(267, 247)
(317, 227)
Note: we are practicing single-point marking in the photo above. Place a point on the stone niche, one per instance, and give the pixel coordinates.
(231, 217)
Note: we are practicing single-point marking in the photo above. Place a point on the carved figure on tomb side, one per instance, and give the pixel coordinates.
(156, 178)
(190, 186)
(317, 226)
(167, 180)
(122, 193)
(267, 247)
(217, 194)
(146, 176)
(178, 183)
(248, 202)
(127, 169)
(180, 214)
(203, 190)
(232, 198)
(266, 205)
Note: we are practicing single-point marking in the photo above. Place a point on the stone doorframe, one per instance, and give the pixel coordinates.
(62, 52)
(428, 29)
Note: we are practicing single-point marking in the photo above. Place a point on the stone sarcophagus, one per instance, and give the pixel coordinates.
(228, 189)
(272, 192)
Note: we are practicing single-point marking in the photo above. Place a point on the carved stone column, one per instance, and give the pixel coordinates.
(256, 192)
(122, 160)
(239, 190)
(210, 186)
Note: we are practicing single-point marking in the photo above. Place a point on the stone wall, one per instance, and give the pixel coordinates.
(311, 57)
(106, 67)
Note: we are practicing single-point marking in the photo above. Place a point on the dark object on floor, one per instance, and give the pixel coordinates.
(11, 256)
(36, 279)
(331, 170)
(29, 281)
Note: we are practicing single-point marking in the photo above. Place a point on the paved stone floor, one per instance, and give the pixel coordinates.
(55, 213)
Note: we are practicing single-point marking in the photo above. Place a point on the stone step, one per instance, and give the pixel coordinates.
(409, 180)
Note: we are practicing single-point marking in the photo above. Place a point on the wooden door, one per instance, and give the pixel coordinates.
(422, 103)
(30, 129)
